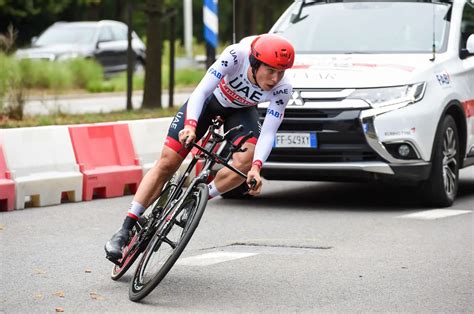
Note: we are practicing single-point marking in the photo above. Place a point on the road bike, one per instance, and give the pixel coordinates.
(165, 229)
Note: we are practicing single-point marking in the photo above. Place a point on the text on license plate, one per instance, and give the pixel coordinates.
(296, 139)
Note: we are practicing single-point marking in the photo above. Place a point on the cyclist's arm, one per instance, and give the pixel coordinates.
(271, 123)
(227, 62)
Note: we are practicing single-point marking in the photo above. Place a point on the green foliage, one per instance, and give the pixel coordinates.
(184, 77)
(58, 76)
(24, 8)
(85, 72)
(61, 119)
(118, 83)
(32, 17)
(8, 72)
(100, 86)
(12, 90)
(7, 40)
(78, 74)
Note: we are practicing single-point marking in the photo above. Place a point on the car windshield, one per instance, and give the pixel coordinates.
(366, 27)
(66, 34)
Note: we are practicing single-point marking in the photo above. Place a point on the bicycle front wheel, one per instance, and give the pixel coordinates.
(167, 245)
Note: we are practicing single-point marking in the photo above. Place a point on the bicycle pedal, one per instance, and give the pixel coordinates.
(113, 260)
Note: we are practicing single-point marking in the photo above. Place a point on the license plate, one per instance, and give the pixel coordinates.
(296, 139)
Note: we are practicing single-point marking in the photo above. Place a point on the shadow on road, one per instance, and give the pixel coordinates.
(363, 196)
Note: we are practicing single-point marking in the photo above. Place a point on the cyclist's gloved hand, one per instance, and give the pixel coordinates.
(254, 181)
(187, 135)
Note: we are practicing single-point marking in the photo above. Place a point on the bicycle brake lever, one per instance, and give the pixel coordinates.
(253, 183)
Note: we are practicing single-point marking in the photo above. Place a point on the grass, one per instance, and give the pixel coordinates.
(64, 119)
(79, 74)
(54, 77)
(118, 83)
(34, 77)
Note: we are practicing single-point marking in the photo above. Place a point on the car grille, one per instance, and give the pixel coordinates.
(339, 135)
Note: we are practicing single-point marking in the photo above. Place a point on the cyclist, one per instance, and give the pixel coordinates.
(243, 76)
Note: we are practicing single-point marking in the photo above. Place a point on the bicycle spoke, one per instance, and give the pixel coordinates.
(171, 243)
(167, 245)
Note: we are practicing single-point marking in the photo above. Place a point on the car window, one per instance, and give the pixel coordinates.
(367, 27)
(66, 34)
(105, 34)
(467, 24)
(119, 33)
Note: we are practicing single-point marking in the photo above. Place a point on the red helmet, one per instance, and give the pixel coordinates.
(273, 50)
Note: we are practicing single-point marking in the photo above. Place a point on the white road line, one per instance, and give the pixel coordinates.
(435, 214)
(212, 258)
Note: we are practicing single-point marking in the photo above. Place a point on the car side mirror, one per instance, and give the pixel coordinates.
(98, 44)
(34, 39)
(469, 50)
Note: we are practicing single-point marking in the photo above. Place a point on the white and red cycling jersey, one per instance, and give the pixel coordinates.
(228, 81)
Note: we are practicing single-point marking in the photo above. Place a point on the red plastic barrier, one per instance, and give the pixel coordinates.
(7, 186)
(106, 158)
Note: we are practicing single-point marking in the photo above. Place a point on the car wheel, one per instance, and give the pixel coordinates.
(139, 66)
(239, 192)
(442, 186)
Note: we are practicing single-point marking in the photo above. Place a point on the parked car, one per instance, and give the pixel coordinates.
(382, 90)
(105, 41)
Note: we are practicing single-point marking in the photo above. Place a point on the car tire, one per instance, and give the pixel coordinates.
(139, 66)
(442, 185)
(239, 192)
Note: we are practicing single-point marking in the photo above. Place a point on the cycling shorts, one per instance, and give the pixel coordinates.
(248, 117)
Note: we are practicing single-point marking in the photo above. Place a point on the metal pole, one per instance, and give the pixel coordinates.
(130, 62)
(188, 27)
(211, 29)
(233, 21)
(172, 40)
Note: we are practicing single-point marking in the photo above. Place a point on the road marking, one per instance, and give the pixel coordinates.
(435, 214)
(212, 258)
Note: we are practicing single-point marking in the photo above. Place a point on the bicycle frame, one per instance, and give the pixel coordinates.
(173, 203)
(157, 224)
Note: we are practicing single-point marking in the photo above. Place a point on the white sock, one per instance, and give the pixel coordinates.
(136, 209)
(213, 191)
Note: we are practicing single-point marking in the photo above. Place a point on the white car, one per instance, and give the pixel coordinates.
(382, 90)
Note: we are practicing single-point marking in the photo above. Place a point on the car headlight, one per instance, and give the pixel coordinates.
(380, 97)
(67, 56)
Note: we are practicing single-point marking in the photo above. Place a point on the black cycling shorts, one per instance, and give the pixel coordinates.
(233, 117)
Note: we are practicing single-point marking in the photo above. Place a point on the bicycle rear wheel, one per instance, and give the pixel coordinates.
(139, 239)
(167, 245)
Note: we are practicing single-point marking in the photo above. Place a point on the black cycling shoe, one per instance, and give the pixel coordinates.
(113, 247)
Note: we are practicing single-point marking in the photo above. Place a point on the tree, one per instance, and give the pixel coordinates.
(152, 85)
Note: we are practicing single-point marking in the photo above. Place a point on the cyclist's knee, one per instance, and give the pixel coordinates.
(243, 161)
(169, 162)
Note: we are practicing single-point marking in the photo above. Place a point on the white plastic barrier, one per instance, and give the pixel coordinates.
(42, 164)
(148, 137)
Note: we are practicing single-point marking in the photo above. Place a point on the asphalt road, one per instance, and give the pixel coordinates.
(299, 247)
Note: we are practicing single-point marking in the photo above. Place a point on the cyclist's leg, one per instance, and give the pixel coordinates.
(226, 179)
(151, 185)
(148, 189)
